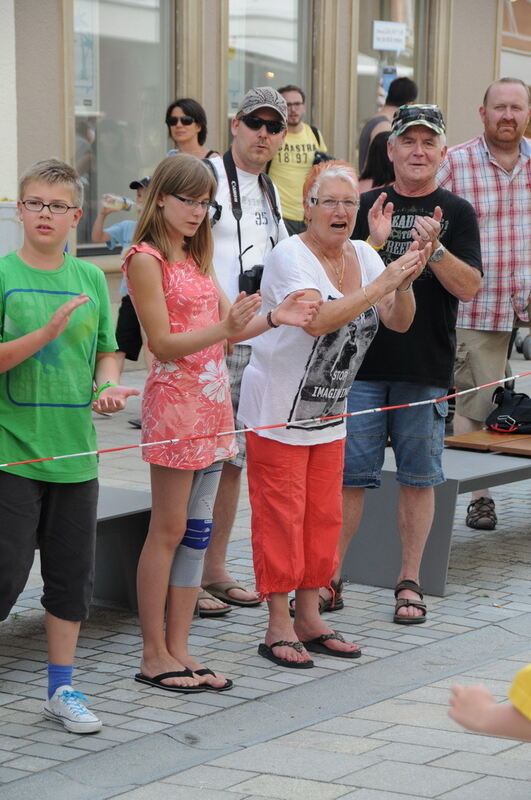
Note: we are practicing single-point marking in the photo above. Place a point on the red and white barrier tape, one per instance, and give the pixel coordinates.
(140, 445)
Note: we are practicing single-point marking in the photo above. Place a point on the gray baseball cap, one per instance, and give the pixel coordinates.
(263, 97)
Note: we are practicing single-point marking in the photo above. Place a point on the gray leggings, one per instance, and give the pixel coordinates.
(187, 566)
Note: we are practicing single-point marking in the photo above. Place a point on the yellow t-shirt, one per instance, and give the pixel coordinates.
(289, 168)
(520, 691)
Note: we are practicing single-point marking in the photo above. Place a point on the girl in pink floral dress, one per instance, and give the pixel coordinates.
(187, 320)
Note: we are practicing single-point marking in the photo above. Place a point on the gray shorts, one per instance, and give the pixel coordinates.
(236, 364)
(60, 519)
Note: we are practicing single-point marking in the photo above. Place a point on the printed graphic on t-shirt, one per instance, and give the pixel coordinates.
(400, 238)
(47, 369)
(331, 368)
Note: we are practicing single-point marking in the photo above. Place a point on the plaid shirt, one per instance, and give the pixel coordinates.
(502, 202)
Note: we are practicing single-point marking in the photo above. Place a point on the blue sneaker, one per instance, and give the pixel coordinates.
(66, 706)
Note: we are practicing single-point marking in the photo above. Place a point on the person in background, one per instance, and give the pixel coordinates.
(493, 172)
(402, 91)
(187, 128)
(379, 169)
(129, 334)
(258, 129)
(294, 159)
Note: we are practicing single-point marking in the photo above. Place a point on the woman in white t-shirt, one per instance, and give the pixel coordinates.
(301, 377)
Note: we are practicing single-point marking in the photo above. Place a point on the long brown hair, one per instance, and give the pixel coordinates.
(179, 174)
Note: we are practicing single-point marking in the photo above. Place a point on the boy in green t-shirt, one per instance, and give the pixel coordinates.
(46, 399)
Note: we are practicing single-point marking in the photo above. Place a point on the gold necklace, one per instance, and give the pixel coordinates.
(339, 273)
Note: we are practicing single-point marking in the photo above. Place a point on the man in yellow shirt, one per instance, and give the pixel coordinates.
(294, 159)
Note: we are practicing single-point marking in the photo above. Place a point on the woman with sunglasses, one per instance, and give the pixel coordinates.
(187, 127)
(301, 378)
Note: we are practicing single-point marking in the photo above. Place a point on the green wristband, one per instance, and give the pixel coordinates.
(102, 388)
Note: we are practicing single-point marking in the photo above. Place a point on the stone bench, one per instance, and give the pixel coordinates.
(123, 520)
(374, 554)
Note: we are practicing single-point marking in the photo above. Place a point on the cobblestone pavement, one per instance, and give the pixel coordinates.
(374, 729)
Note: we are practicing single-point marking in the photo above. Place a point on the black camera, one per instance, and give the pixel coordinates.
(249, 281)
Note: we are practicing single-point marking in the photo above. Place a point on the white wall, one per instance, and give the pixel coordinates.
(8, 102)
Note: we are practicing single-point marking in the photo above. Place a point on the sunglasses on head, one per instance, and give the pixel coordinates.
(183, 120)
(255, 123)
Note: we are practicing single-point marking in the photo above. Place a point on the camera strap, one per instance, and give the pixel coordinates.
(268, 189)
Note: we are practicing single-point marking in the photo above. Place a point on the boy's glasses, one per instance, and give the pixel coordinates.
(183, 120)
(204, 205)
(54, 208)
(255, 123)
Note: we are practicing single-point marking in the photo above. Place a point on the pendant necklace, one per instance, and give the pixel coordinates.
(339, 273)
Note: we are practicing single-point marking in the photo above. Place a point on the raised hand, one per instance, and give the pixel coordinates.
(113, 399)
(241, 312)
(380, 220)
(426, 230)
(295, 311)
(61, 317)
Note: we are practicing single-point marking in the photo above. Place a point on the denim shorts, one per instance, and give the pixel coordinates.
(416, 434)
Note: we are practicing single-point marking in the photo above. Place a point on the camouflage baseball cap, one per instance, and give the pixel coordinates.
(418, 114)
(263, 97)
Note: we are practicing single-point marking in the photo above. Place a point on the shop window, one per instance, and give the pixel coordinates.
(122, 85)
(269, 45)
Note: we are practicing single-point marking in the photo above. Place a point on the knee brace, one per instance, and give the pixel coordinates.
(187, 564)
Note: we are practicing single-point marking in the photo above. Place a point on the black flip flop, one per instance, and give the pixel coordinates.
(318, 645)
(266, 651)
(206, 687)
(156, 681)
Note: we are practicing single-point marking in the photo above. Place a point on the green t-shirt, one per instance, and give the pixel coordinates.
(46, 401)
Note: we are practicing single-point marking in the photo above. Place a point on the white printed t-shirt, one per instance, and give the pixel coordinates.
(258, 228)
(292, 376)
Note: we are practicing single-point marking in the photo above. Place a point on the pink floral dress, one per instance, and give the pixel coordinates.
(188, 397)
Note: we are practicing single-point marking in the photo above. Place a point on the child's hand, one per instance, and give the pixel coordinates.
(60, 318)
(470, 706)
(241, 312)
(113, 399)
(294, 311)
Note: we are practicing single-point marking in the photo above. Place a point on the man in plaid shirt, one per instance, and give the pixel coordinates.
(493, 172)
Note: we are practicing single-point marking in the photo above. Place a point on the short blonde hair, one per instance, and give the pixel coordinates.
(179, 174)
(53, 171)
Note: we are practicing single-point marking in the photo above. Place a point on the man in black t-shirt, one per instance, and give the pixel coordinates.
(416, 365)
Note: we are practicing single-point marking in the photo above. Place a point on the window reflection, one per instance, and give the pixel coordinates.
(268, 45)
(122, 68)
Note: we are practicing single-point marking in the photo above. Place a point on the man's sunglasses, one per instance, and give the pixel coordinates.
(255, 123)
(183, 120)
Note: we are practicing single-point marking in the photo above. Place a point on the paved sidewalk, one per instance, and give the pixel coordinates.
(374, 729)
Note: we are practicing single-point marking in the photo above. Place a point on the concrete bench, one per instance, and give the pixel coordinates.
(374, 554)
(123, 520)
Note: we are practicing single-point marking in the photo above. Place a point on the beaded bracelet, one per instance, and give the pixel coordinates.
(269, 320)
(102, 388)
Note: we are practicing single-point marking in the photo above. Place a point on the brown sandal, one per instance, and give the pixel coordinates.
(334, 603)
(406, 603)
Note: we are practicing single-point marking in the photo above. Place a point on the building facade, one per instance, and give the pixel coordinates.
(89, 80)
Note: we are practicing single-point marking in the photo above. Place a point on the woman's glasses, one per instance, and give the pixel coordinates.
(255, 123)
(183, 120)
(204, 205)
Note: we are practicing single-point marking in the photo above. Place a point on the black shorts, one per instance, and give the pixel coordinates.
(128, 333)
(59, 518)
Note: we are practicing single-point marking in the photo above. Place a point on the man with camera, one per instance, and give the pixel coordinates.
(248, 227)
(295, 158)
